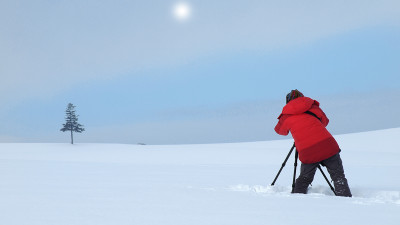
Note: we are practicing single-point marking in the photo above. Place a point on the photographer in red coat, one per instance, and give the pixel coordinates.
(315, 145)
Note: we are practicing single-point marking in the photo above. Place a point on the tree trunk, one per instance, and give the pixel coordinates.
(72, 138)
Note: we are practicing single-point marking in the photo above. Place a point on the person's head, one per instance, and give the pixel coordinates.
(293, 95)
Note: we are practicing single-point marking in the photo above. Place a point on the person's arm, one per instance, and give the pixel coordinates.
(324, 119)
(281, 127)
(320, 114)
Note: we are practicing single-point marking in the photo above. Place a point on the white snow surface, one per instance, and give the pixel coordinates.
(57, 184)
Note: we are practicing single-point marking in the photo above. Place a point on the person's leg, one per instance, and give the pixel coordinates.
(335, 169)
(305, 178)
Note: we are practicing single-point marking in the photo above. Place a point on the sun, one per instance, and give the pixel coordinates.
(182, 11)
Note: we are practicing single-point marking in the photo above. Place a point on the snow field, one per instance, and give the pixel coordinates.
(47, 184)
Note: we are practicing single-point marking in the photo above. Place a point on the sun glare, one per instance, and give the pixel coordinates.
(182, 11)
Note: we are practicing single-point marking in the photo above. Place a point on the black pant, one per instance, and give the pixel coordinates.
(335, 170)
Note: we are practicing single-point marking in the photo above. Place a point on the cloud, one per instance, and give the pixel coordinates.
(285, 23)
(252, 121)
(239, 122)
(10, 139)
(46, 48)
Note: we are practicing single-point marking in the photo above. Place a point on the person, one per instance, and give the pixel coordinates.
(307, 123)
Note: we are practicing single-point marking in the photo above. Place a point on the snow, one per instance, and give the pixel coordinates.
(56, 184)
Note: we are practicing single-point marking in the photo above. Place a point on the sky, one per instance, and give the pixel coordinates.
(177, 72)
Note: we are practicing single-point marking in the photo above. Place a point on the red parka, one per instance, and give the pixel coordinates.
(313, 141)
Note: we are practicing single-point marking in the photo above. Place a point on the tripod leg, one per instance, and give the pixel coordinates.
(323, 174)
(296, 156)
(283, 164)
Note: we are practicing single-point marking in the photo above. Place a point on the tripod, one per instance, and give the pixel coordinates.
(295, 168)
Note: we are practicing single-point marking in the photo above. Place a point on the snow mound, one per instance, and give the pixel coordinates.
(360, 196)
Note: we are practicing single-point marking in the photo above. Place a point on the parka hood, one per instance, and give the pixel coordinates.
(298, 106)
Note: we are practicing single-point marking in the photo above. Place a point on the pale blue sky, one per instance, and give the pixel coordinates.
(136, 74)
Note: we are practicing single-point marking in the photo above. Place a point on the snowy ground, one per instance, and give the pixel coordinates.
(57, 184)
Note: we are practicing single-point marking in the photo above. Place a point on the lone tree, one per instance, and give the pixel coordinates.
(71, 122)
